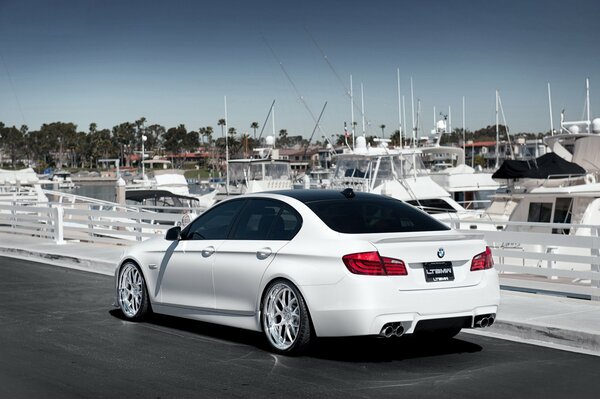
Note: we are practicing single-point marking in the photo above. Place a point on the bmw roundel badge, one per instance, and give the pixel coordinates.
(441, 253)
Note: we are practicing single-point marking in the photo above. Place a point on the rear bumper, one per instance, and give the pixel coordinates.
(362, 305)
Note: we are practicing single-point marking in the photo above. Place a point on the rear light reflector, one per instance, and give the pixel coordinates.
(372, 264)
(483, 260)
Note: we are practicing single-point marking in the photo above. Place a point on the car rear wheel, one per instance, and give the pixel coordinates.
(285, 319)
(132, 293)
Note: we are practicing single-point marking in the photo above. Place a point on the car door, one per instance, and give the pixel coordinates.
(263, 227)
(186, 277)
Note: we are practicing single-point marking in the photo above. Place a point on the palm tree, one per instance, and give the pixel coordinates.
(222, 124)
(382, 133)
(254, 125)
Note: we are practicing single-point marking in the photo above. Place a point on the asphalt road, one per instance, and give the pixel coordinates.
(60, 338)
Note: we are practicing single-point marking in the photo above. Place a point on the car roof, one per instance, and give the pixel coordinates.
(312, 195)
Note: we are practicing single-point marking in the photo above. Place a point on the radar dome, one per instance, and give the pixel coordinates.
(361, 142)
(596, 125)
(270, 140)
(574, 129)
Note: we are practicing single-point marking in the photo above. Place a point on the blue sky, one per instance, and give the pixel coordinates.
(174, 61)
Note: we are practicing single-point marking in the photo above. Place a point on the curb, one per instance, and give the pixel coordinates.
(88, 265)
(546, 334)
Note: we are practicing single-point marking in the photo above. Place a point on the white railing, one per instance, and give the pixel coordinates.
(537, 260)
(87, 222)
(568, 264)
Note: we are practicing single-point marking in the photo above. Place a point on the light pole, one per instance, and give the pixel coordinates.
(144, 138)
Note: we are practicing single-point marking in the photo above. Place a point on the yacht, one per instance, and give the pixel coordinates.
(398, 173)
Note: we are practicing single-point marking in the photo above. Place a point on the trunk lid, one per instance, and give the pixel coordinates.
(433, 260)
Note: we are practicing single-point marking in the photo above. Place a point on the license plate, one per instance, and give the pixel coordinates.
(438, 271)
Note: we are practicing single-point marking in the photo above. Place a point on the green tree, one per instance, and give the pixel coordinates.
(175, 140)
(382, 127)
(13, 141)
(124, 136)
(282, 140)
(222, 123)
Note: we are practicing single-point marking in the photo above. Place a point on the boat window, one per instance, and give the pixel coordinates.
(266, 219)
(373, 216)
(215, 223)
(352, 167)
(562, 214)
(540, 212)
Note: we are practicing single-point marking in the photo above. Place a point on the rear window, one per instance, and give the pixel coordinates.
(358, 216)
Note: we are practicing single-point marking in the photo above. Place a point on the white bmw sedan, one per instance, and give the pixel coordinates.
(303, 263)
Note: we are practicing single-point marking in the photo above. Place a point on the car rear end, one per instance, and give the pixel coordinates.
(413, 274)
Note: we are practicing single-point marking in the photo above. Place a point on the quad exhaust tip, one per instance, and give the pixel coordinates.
(395, 329)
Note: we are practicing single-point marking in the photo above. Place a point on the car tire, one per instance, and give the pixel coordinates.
(132, 293)
(285, 319)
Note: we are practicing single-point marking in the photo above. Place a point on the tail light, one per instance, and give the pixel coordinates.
(483, 260)
(372, 264)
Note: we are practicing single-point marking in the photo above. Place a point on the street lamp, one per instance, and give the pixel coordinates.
(144, 138)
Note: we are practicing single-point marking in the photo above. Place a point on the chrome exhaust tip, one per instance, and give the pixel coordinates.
(392, 329)
(387, 331)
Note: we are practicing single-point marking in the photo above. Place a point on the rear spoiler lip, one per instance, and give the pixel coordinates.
(433, 238)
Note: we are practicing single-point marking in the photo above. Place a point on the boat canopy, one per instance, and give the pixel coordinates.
(548, 166)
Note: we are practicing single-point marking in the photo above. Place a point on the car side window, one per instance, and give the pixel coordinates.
(266, 219)
(215, 223)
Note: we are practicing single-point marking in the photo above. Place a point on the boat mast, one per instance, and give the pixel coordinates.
(412, 108)
(403, 117)
(226, 151)
(399, 108)
(464, 132)
(352, 110)
(449, 126)
(273, 120)
(362, 101)
(497, 132)
(550, 108)
(587, 101)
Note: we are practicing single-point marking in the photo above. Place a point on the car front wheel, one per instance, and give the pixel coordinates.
(285, 319)
(132, 293)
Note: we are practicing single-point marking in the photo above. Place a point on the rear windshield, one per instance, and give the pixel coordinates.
(358, 216)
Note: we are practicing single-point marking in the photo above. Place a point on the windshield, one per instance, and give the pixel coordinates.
(270, 171)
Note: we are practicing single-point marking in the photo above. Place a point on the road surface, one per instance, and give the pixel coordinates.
(61, 338)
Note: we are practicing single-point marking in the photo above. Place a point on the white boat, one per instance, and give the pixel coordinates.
(62, 179)
(174, 182)
(397, 173)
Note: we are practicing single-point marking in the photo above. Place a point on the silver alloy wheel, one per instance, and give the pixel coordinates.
(131, 290)
(281, 316)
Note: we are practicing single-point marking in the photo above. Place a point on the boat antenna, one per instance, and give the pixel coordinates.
(266, 119)
(550, 108)
(12, 87)
(289, 78)
(512, 155)
(347, 92)
(314, 130)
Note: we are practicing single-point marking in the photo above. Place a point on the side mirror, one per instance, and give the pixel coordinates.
(173, 234)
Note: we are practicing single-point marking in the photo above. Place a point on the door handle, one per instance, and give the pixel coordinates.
(208, 251)
(263, 253)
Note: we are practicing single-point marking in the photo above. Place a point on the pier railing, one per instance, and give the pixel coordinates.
(556, 258)
(541, 257)
(105, 223)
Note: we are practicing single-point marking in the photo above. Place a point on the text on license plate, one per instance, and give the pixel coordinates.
(438, 271)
